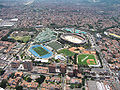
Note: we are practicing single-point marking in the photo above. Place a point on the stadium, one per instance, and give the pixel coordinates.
(73, 38)
(40, 51)
(88, 59)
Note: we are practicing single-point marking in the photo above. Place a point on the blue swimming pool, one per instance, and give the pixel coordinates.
(9, 37)
(37, 55)
(76, 31)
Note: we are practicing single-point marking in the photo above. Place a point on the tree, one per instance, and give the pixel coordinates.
(114, 56)
(83, 88)
(19, 88)
(41, 79)
(79, 85)
(12, 75)
(83, 81)
(3, 84)
(29, 79)
(72, 86)
(1, 71)
(75, 58)
(53, 25)
(57, 61)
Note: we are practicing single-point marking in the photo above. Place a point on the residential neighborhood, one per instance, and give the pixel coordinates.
(59, 45)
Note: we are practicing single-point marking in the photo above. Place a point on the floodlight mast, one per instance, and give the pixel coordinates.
(73, 33)
(74, 30)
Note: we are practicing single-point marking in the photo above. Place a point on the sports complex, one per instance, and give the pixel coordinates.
(40, 51)
(73, 38)
(87, 59)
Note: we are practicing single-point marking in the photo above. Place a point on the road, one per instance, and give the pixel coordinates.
(21, 49)
(104, 62)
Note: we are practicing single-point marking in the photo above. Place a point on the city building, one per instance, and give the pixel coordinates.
(52, 68)
(63, 69)
(15, 64)
(28, 65)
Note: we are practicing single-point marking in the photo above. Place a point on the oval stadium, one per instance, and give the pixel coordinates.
(73, 38)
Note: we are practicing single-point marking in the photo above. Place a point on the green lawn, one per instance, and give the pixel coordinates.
(66, 52)
(24, 38)
(40, 51)
(82, 59)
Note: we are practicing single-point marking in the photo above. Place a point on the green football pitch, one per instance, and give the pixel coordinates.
(40, 51)
(66, 52)
(87, 59)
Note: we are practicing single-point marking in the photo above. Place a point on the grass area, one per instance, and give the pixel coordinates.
(66, 52)
(40, 51)
(55, 45)
(24, 39)
(24, 56)
(87, 59)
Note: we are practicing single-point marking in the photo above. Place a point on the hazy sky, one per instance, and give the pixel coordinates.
(75, 1)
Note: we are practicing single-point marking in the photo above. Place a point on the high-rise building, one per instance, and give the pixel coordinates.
(15, 64)
(75, 70)
(52, 68)
(28, 65)
(63, 68)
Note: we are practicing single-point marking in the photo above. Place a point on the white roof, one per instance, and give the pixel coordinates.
(42, 60)
(27, 60)
(1, 88)
(59, 56)
(100, 86)
(21, 67)
(15, 19)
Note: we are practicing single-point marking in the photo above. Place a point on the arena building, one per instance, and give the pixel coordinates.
(73, 38)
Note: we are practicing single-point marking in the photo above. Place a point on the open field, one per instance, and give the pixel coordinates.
(40, 51)
(24, 38)
(66, 52)
(87, 59)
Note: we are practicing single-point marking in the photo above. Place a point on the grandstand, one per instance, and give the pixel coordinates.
(73, 38)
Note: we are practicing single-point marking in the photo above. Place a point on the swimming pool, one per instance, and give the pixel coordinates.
(37, 55)
(76, 31)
